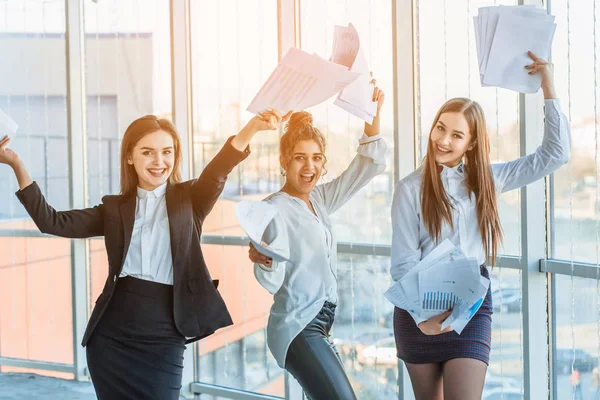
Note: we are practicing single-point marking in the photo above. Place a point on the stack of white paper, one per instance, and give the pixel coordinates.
(254, 217)
(8, 127)
(503, 36)
(445, 279)
(302, 80)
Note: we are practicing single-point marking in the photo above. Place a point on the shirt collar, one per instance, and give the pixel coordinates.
(457, 170)
(157, 193)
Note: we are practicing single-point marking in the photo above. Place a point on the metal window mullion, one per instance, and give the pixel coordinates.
(181, 85)
(405, 87)
(288, 35)
(405, 130)
(181, 80)
(576, 269)
(77, 152)
(534, 304)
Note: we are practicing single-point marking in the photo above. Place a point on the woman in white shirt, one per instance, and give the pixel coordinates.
(305, 287)
(158, 295)
(454, 196)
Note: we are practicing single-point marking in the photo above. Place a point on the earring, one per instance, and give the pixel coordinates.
(283, 171)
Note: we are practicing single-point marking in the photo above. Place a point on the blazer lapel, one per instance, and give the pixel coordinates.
(128, 218)
(173, 199)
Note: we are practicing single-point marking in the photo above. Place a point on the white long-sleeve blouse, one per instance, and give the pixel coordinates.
(410, 239)
(302, 285)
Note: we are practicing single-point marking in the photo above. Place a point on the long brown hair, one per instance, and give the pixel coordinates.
(436, 207)
(300, 127)
(134, 133)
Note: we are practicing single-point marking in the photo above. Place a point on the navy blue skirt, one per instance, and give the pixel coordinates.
(414, 347)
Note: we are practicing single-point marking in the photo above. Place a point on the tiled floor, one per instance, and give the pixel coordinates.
(36, 387)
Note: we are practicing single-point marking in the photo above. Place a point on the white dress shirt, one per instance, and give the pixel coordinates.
(410, 239)
(149, 255)
(302, 285)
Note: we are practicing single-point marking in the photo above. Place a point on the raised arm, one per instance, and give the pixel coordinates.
(208, 187)
(74, 224)
(368, 163)
(84, 223)
(556, 144)
(406, 250)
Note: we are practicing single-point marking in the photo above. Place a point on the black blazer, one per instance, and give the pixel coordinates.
(199, 309)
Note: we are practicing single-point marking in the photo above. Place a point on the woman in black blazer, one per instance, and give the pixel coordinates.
(158, 295)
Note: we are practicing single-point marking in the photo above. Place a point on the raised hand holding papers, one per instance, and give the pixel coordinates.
(254, 217)
(504, 35)
(8, 127)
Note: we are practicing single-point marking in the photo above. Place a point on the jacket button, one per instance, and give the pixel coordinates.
(115, 278)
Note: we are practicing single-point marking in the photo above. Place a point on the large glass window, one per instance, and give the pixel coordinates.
(577, 351)
(575, 226)
(234, 49)
(35, 281)
(237, 356)
(575, 194)
(128, 75)
(448, 68)
(364, 328)
(365, 218)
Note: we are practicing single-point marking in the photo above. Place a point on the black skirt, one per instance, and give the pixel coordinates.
(414, 347)
(136, 351)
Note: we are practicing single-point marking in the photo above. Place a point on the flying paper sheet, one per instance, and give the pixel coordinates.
(356, 98)
(503, 36)
(254, 217)
(8, 127)
(300, 81)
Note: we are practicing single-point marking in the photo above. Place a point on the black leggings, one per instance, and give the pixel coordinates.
(315, 363)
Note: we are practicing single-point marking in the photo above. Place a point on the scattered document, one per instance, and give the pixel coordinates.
(254, 217)
(301, 81)
(444, 280)
(356, 98)
(8, 127)
(503, 36)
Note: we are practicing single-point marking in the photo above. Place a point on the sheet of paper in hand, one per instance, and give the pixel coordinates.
(254, 217)
(8, 127)
(503, 35)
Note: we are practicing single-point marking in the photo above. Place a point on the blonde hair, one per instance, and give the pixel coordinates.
(436, 207)
(134, 133)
